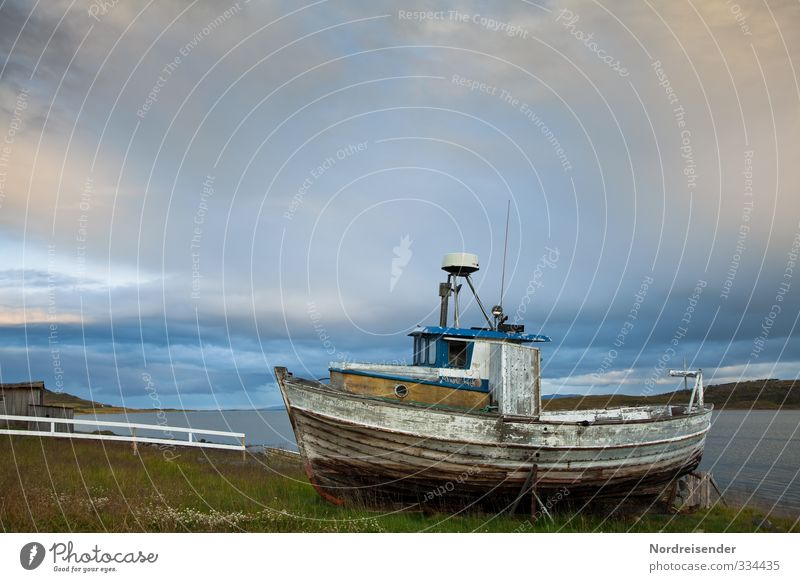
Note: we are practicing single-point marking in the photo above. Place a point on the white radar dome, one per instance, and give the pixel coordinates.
(460, 264)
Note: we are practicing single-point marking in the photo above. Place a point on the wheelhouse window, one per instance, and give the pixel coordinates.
(424, 350)
(457, 354)
(417, 350)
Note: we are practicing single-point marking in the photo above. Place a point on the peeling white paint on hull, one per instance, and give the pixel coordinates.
(363, 447)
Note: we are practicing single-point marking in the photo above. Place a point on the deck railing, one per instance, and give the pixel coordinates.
(191, 440)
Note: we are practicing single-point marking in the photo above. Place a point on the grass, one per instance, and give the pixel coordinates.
(59, 485)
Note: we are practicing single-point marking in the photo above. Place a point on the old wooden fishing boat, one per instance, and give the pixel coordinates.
(464, 423)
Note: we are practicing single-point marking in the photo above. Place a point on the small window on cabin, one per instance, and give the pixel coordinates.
(431, 351)
(457, 354)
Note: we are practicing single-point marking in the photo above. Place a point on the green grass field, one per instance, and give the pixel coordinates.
(59, 485)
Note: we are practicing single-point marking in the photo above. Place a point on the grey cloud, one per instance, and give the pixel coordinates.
(440, 161)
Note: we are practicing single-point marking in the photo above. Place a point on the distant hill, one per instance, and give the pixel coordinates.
(766, 394)
(69, 401)
(84, 406)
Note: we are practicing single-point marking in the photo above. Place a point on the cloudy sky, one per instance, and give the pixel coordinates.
(194, 192)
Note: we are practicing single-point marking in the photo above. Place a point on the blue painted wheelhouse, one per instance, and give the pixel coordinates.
(453, 347)
(450, 363)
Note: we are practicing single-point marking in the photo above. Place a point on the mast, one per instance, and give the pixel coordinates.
(458, 265)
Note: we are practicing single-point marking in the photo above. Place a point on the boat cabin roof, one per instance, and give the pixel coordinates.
(479, 333)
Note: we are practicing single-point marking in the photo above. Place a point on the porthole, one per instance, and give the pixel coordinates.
(401, 391)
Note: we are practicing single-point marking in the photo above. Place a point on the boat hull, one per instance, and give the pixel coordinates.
(356, 447)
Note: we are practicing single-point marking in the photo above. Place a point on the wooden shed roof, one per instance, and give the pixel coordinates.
(34, 385)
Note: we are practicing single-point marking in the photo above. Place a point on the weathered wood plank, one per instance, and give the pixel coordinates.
(421, 393)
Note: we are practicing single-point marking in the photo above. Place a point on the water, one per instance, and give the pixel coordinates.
(754, 456)
(270, 428)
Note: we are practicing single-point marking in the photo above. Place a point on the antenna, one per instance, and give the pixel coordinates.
(685, 385)
(497, 310)
(505, 250)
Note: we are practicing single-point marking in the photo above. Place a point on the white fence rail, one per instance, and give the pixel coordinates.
(132, 426)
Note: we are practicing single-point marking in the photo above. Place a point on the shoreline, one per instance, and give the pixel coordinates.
(765, 394)
(122, 410)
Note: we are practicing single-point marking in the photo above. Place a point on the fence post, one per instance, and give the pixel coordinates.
(133, 441)
(244, 450)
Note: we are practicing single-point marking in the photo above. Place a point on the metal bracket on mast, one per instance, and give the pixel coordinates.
(698, 390)
(480, 303)
(458, 265)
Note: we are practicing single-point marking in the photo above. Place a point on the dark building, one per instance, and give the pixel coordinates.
(27, 399)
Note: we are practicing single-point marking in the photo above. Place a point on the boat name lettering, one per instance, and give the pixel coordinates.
(461, 380)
